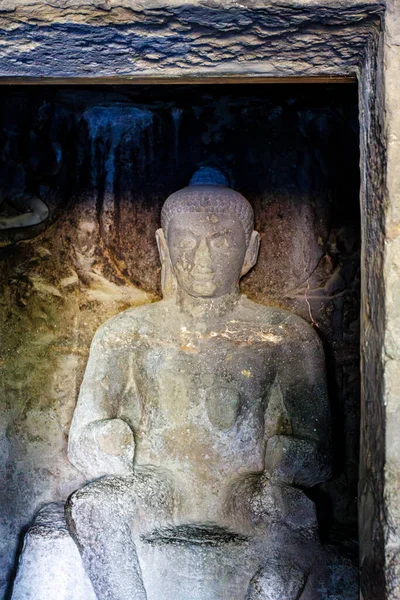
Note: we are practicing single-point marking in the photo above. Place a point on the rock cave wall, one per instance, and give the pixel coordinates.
(103, 159)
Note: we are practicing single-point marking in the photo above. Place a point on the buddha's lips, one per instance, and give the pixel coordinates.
(200, 277)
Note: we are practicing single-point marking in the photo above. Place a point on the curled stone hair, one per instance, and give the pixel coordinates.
(208, 197)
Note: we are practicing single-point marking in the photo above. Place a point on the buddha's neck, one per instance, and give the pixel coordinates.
(208, 308)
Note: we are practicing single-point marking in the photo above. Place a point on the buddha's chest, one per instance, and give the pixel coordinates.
(213, 382)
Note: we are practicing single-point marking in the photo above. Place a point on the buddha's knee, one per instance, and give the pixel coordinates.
(277, 579)
(99, 503)
(284, 504)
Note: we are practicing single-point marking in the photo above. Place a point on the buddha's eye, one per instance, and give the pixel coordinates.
(220, 241)
(188, 244)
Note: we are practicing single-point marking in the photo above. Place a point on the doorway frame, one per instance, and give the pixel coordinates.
(284, 41)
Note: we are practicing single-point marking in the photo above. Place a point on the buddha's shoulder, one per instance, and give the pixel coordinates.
(135, 321)
(281, 322)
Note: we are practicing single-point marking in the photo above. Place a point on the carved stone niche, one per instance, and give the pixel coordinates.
(292, 151)
(102, 159)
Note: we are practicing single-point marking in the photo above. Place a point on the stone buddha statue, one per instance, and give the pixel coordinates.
(201, 419)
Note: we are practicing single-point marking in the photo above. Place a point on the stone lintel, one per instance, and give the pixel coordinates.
(132, 40)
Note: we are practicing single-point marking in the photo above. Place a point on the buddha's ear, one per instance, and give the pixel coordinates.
(252, 253)
(168, 281)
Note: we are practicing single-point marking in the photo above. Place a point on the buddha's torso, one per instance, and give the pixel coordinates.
(196, 394)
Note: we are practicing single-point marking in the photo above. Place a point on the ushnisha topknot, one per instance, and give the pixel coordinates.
(208, 191)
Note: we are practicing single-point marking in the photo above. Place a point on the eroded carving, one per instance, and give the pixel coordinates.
(202, 413)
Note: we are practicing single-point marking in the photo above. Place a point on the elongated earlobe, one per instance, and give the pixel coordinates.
(168, 281)
(251, 254)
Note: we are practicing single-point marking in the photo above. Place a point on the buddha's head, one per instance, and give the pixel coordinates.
(207, 235)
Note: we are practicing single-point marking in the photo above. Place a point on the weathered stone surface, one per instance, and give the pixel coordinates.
(23, 17)
(334, 578)
(190, 480)
(31, 309)
(59, 287)
(28, 212)
(50, 564)
(49, 312)
(372, 448)
(132, 39)
(391, 507)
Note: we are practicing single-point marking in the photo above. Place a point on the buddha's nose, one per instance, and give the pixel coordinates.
(202, 257)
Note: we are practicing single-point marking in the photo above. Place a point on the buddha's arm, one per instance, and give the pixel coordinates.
(301, 455)
(99, 442)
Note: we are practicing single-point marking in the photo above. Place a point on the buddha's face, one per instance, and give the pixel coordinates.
(207, 252)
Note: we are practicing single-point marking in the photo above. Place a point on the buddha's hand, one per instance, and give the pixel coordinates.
(115, 437)
(115, 446)
(294, 461)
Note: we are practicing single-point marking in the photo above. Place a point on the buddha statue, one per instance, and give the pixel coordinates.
(200, 421)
